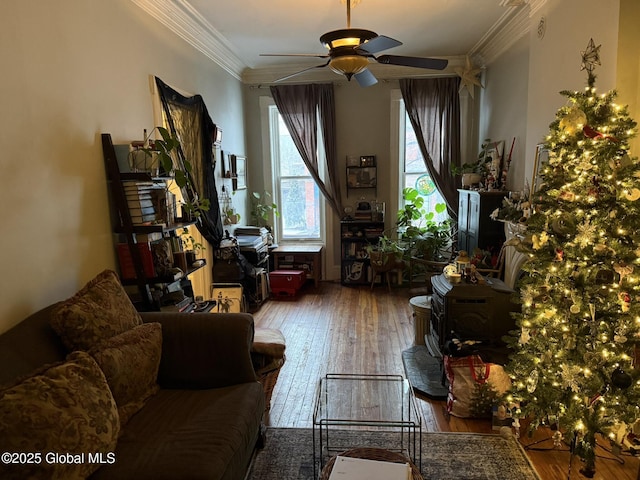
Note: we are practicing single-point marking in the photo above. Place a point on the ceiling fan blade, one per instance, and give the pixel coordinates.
(418, 62)
(365, 78)
(378, 44)
(317, 55)
(301, 72)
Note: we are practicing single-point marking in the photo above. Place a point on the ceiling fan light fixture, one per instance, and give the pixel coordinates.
(348, 37)
(348, 65)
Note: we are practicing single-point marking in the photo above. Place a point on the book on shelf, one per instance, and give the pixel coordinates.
(140, 211)
(125, 259)
(149, 237)
(143, 219)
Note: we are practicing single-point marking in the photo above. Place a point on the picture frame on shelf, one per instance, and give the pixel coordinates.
(353, 161)
(239, 172)
(368, 161)
(362, 177)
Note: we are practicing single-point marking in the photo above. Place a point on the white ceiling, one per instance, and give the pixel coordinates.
(235, 33)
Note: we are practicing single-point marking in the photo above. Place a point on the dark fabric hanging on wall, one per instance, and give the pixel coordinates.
(189, 120)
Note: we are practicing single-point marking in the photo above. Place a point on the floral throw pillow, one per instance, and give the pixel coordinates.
(130, 362)
(100, 310)
(65, 409)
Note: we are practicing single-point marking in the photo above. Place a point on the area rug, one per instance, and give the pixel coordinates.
(288, 455)
(424, 372)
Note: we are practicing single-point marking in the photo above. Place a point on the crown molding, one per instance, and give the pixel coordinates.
(510, 27)
(183, 20)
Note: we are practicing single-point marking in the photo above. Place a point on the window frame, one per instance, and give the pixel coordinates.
(272, 178)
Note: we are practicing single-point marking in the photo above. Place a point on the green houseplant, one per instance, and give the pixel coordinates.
(428, 238)
(474, 172)
(165, 149)
(262, 207)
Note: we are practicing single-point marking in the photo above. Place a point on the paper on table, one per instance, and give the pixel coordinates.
(349, 468)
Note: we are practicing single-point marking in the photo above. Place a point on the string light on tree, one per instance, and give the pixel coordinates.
(578, 326)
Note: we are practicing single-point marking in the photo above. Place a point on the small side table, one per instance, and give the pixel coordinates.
(380, 454)
(296, 257)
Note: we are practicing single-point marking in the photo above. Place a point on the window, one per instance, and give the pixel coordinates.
(414, 172)
(295, 191)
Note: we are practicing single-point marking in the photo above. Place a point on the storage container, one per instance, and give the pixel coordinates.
(286, 283)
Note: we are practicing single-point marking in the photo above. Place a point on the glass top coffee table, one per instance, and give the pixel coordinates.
(370, 403)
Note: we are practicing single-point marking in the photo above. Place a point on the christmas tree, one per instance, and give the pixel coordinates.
(573, 364)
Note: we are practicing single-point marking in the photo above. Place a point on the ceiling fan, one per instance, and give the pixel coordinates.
(350, 50)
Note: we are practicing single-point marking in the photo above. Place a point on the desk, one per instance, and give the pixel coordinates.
(300, 257)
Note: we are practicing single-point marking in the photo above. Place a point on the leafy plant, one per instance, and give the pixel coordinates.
(189, 242)
(165, 150)
(261, 209)
(479, 166)
(428, 236)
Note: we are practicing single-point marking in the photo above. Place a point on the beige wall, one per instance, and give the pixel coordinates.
(72, 69)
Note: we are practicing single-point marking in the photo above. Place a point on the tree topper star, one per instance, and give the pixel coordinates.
(590, 57)
(469, 76)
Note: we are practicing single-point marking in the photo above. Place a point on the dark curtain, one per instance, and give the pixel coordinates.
(189, 120)
(433, 106)
(300, 107)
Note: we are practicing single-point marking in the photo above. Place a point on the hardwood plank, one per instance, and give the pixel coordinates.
(336, 329)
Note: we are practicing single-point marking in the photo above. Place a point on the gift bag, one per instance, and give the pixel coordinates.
(474, 386)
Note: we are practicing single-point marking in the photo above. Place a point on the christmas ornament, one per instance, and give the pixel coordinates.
(590, 57)
(557, 439)
(625, 301)
(632, 195)
(532, 381)
(559, 255)
(623, 270)
(592, 133)
(573, 121)
(539, 241)
(575, 308)
(621, 379)
(525, 336)
(567, 196)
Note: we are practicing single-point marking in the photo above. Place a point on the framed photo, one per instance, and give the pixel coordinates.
(225, 164)
(239, 172)
(362, 177)
(368, 161)
(353, 161)
(227, 297)
(540, 160)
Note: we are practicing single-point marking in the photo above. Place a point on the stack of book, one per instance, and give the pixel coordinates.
(139, 196)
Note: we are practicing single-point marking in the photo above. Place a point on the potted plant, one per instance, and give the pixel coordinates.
(473, 173)
(190, 246)
(261, 209)
(231, 217)
(180, 171)
(429, 239)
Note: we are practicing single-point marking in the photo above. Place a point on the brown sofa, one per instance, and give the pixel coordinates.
(202, 419)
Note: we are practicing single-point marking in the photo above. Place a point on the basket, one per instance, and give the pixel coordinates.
(268, 380)
(380, 454)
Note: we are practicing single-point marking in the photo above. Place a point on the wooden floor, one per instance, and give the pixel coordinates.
(336, 329)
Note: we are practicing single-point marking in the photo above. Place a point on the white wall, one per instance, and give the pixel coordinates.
(503, 108)
(72, 69)
(555, 60)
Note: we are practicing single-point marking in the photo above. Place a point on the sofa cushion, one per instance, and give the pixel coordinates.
(195, 434)
(100, 310)
(66, 408)
(130, 363)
